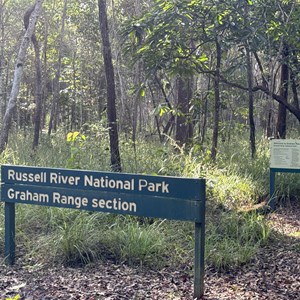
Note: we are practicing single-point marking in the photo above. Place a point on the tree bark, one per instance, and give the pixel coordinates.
(217, 102)
(202, 130)
(183, 126)
(2, 62)
(281, 116)
(18, 75)
(110, 86)
(294, 83)
(56, 87)
(250, 102)
(38, 82)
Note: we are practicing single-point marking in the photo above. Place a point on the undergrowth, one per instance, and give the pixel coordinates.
(77, 237)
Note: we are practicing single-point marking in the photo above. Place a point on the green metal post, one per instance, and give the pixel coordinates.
(272, 189)
(199, 265)
(10, 233)
(199, 261)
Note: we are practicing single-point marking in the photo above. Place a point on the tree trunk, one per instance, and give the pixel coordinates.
(38, 82)
(18, 76)
(183, 126)
(168, 128)
(45, 76)
(281, 117)
(202, 127)
(251, 100)
(56, 86)
(217, 102)
(2, 61)
(111, 92)
(294, 82)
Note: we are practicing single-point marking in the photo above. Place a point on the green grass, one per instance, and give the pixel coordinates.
(137, 244)
(72, 237)
(234, 238)
(73, 240)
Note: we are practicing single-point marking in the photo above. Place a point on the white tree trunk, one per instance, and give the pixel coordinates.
(18, 75)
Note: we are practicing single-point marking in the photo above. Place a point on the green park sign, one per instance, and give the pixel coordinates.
(284, 158)
(120, 193)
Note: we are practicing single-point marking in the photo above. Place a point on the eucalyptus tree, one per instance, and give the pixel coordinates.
(282, 28)
(38, 81)
(177, 38)
(18, 75)
(151, 40)
(110, 86)
(56, 81)
(10, 27)
(272, 32)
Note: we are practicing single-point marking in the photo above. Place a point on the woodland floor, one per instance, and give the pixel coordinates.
(273, 274)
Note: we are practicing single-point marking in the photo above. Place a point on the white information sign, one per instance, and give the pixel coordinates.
(285, 154)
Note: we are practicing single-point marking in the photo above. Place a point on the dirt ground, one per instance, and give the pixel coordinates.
(273, 274)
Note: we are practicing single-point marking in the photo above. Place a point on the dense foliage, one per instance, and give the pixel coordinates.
(192, 70)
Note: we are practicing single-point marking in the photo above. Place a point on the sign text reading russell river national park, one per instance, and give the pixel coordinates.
(143, 195)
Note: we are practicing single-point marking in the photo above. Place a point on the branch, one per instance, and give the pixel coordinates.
(294, 110)
(279, 99)
(265, 82)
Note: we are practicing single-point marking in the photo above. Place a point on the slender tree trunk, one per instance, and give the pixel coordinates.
(137, 99)
(38, 82)
(156, 117)
(18, 75)
(111, 92)
(2, 61)
(183, 126)
(74, 117)
(168, 128)
(269, 132)
(217, 102)
(251, 101)
(44, 74)
(293, 78)
(56, 86)
(281, 117)
(202, 130)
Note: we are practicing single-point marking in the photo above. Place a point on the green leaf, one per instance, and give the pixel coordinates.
(142, 92)
(295, 234)
(203, 58)
(71, 137)
(219, 18)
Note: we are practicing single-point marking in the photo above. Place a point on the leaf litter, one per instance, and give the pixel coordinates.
(274, 273)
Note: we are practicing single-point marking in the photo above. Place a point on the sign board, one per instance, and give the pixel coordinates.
(285, 158)
(285, 154)
(121, 193)
(140, 195)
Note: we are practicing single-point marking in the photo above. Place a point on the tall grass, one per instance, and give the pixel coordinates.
(134, 243)
(233, 239)
(71, 236)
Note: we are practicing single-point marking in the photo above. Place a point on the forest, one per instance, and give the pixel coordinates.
(192, 89)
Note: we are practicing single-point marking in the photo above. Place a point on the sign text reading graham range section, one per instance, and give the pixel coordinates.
(103, 182)
(60, 199)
